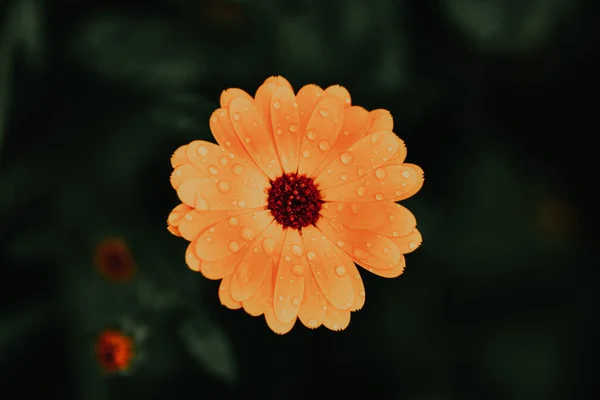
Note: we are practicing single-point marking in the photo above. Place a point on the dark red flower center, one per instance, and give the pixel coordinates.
(294, 201)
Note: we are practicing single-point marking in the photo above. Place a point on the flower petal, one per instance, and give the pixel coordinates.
(357, 282)
(262, 299)
(177, 214)
(276, 325)
(322, 130)
(366, 248)
(381, 120)
(194, 222)
(341, 93)
(285, 120)
(385, 218)
(174, 230)
(356, 124)
(314, 304)
(394, 182)
(411, 189)
(409, 243)
(228, 95)
(257, 262)
(256, 137)
(225, 294)
(366, 155)
(221, 269)
(191, 258)
(393, 272)
(179, 158)
(227, 237)
(336, 320)
(222, 129)
(289, 279)
(307, 98)
(263, 96)
(328, 269)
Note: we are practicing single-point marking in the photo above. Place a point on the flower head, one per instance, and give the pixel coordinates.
(300, 188)
(114, 260)
(114, 351)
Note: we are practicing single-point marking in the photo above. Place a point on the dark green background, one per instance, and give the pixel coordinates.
(493, 99)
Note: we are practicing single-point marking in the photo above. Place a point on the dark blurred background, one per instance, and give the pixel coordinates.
(493, 99)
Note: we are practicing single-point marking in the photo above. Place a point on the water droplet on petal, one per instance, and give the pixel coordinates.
(293, 128)
(324, 112)
(281, 298)
(241, 204)
(247, 233)
(361, 191)
(312, 323)
(406, 174)
(306, 153)
(340, 243)
(346, 158)
(296, 302)
(268, 246)
(360, 253)
(323, 145)
(278, 132)
(369, 245)
(223, 186)
(355, 208)
(340, 270)
(188, 217)
(234, 246)
(233, 221)
(276, 105)
(413, 245)
(312, 134)
(375, 137)
(223, 161)
(362, 293)
(360, 171)
(378, 196)
(202, 151)
(381, 173)
(395, 234)
(298, 251)
(247, 139)
(213, 170)
(298, 270)
(238, 169)
(312, 256)
(236, 116)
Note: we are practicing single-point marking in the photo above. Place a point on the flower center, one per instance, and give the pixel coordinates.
(294, 201)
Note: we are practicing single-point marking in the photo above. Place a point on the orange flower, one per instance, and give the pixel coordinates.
(300, 187)
(114, 351)
(114, 260)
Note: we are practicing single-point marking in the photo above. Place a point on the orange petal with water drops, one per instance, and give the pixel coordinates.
(314, 304)
(177, 214)
(276, 325)
(256, 137)
(191, 259)
(393, 272)
(409, 243)
(354, 127)
(357, 282)
(365, 247)
(411, 190)
(385, 218)
(184, 173)
(289, 278)
(335, 319)
(340, 92)
(262, 299)
(228, 95)
(174, 230)
(222, 129)
(179, 157)
(194, 222)
(381, 120)
(215, 270)
(285, 120)
(307, 98)
(362, 157)
(263, 98)
(225, 294)
(328, 268)
(227, 237)
(322, 130)
(388, 183)
(256, 263)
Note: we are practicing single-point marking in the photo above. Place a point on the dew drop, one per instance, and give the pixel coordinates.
(247, 139)
(202, 150)
(223, 186)
(311, 134)
(268, 246)
(340, 270)
(347, 100)
(234, 246)
(355, 208)
(360, 253)
(241, 204)
(312, 256)
(323, 145)
(281, 298)
(278, 132)
(188, 217)
(223, 161)
(375, 137)
(293, 128)
(413, 245)
(277, 104)
(406, 174)
(306, 153)
(378, 196)
(296, 302)
(381, 173)
(395, 234)
(346, 158)
(298, 270)
(392, 217)
(324, 112)
(360, 171)
(362, 293)
(361, 191)
(213, 170)
(237, 116)
(340, 243)
(298, 251)
(369, 245)
(312, 323)
(247, 233)
(237, 169)
(233, 221)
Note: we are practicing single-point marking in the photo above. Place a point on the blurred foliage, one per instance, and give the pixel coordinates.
(490, 98)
